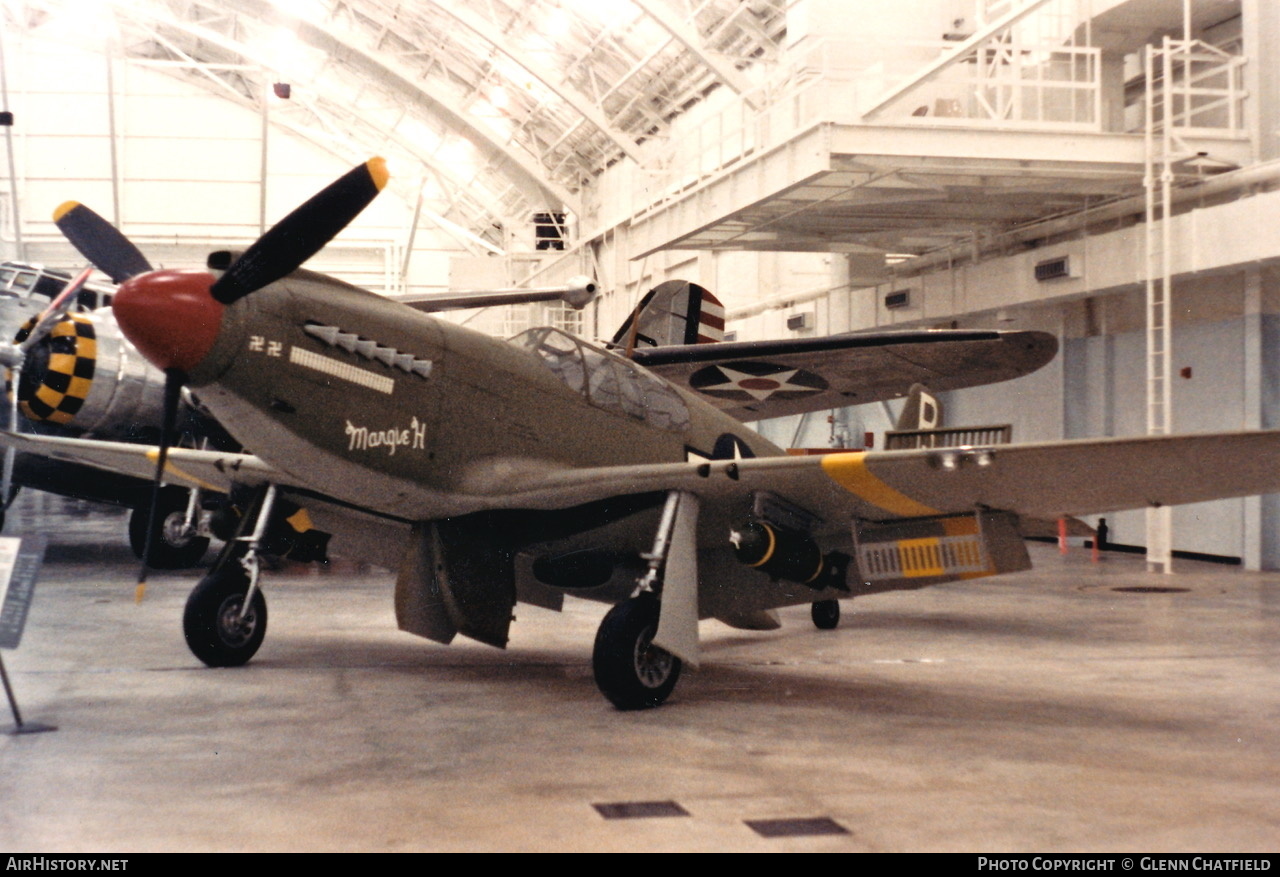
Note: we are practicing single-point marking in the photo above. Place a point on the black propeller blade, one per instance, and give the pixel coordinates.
(173, 381)
(302, 233)
(100, 242)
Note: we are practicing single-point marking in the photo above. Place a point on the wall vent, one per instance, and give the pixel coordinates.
(899, 299)
(1052, 269)
(802, 320)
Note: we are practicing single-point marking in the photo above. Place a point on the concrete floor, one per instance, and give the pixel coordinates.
(1045, 711)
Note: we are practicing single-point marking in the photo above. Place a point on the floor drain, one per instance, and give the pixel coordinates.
(1151, 589)
(795, 827)
(640, 809)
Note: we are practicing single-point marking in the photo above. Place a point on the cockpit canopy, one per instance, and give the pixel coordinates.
(607, 381)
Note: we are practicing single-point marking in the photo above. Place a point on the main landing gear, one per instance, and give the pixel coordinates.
(176, 541)
(218, 629)
(630, 670)
(225, 619)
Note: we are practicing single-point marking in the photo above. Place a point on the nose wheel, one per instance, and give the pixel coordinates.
(630, 670)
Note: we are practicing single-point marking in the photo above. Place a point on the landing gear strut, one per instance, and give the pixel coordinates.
(226, 615)
(631, 670)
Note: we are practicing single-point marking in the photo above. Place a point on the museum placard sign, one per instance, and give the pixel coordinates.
(20, 561)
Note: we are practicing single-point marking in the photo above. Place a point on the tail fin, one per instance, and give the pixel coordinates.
(674, 312)
(922, 411)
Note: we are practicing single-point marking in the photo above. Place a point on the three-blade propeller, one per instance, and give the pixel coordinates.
(281, 250)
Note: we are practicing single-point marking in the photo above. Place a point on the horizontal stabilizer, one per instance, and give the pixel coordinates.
(578, 292)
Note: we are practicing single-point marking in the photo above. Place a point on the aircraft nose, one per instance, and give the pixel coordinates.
(169, 316)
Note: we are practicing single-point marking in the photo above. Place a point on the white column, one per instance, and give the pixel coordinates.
(1262, 73)
(1252, 516)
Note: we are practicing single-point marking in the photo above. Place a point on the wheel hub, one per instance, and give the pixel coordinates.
(232, 629)
(653, 664)
(175, 531)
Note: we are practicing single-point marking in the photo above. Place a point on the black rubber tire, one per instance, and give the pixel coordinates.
(825, 614)
(211, 622)
(630, 670)
(167, 552)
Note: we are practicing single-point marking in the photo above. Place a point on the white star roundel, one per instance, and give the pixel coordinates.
(755, 381)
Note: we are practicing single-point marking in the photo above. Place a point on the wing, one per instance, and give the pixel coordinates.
(908, 494)
(755, 380)
(209, 470)
(902, 519)
(1043, 480)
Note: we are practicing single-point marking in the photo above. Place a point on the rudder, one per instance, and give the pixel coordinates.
(675, 312)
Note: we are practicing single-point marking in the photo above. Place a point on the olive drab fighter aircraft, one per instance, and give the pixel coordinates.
(487, 472)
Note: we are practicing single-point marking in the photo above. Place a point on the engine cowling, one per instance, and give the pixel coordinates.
(84, 375)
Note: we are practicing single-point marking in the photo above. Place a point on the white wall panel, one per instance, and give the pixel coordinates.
(1033, 404)
(175, 202)
(194, 114)
(41, 197)
(208, 160)
(67, 157)
(54, 113)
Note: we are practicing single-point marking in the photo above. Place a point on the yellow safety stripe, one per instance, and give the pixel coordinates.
(171, 469)
(850, 472)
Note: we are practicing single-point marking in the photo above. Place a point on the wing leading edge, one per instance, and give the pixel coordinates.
(1042, 480)
(208, 470)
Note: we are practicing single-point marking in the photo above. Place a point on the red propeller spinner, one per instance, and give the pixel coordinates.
(170, 316)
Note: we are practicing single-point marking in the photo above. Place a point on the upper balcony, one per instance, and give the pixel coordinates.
(909, 148)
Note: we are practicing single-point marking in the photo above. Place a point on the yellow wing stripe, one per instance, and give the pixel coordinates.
(171, 469)
(850, 472)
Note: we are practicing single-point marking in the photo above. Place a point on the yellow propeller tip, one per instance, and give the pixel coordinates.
(138, 592)
(378, 171)
(64, 208)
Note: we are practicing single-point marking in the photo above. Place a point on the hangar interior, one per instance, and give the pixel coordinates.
(1104, 170)
(1078, 166)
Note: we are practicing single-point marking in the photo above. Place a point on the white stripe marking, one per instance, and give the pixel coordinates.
(316, 362)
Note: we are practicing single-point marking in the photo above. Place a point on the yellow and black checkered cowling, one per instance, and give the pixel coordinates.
(64, 386)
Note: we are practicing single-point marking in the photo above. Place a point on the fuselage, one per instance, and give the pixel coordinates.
(374, 403)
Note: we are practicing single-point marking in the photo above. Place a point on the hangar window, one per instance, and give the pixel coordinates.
(607, 381)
